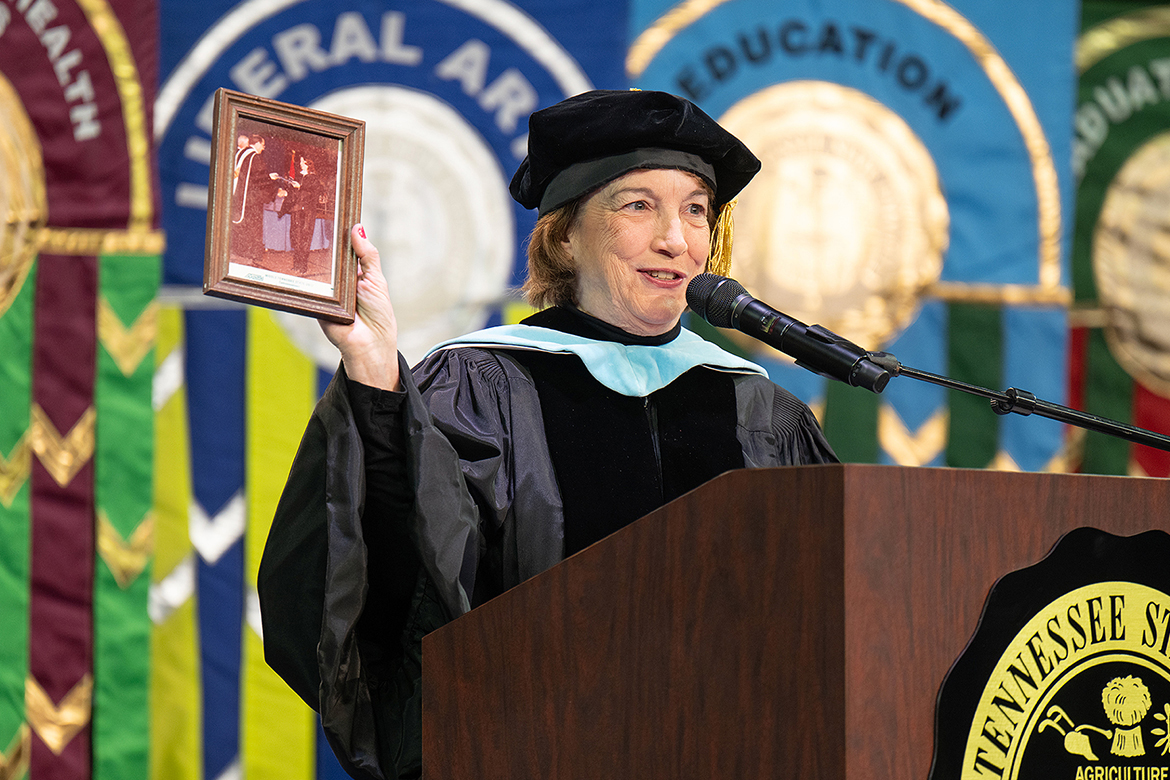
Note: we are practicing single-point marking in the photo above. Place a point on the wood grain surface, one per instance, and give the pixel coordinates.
(791, 622)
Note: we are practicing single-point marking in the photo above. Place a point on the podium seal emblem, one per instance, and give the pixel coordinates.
(1068, 674)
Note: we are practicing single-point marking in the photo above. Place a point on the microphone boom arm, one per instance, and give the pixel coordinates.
(725, 303)
(1024, 403)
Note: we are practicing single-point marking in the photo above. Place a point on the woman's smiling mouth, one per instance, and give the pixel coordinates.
(666, 276)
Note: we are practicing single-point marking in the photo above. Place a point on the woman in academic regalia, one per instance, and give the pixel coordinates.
(305, 196)
(420, 493)
(253, 188)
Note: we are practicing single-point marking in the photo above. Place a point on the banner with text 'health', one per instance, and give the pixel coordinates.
(79, 267)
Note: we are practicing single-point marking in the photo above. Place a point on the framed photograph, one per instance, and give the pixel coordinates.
(286, 186)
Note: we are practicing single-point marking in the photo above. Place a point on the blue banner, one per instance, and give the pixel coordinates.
(445, 88)
(916, 157)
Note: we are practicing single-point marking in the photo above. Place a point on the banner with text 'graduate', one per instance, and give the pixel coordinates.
(445, 88)
(914, 198)
(1120, 356)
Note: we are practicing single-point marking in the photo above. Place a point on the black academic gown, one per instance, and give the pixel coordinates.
(404, 510)
(302, 203)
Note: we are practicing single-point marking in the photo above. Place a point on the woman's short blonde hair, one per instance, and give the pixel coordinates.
(552, 271)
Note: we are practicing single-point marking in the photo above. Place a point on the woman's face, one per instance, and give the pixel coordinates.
(637, 242)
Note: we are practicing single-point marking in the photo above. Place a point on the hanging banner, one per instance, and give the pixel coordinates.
(445, 88)
(913, 198)
(1121, 159)
(79, 267)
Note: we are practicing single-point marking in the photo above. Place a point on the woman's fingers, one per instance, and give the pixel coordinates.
(367, 253)
(373, 290)
(369, 346)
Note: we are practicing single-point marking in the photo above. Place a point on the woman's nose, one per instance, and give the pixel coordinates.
(671, 236)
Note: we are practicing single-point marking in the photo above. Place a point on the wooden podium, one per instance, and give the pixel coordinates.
(773, 623)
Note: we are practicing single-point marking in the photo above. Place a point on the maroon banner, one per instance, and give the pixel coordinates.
(1152, 412)
(82, 74)
(62, 506)
(61, 71)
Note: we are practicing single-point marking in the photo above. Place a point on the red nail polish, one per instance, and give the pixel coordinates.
(362, 232)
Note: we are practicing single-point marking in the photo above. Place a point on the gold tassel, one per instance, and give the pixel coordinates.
(719, 259)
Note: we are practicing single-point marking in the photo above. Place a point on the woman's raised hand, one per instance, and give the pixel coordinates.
(369, 346)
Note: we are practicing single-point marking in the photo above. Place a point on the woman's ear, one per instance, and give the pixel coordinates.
(567, 240)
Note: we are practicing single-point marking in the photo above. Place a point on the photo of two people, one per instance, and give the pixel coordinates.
(285, 185)
(283, 214)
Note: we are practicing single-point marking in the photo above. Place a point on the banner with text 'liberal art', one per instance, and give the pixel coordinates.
(914, 198)
(445, 88)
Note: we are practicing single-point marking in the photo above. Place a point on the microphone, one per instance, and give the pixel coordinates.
(725, 303)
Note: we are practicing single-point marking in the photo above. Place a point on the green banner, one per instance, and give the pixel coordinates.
(127, 328)
(15, 463)
(1121, 158)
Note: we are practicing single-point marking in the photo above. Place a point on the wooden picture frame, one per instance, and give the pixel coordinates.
(285, 189)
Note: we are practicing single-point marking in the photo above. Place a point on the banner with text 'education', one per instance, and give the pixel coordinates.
(445, 88)
(914, 198)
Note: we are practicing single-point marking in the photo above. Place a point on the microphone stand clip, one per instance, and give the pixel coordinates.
(1024, 403)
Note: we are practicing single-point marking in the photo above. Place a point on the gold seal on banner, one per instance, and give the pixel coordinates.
(846, 224)
(22, 194)
(1131, 263)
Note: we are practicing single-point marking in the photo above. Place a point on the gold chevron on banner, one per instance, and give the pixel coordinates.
(912, 449)
(64, 456)
(126, 558)
(1073, 453)
(127, 346)
(1072, 450)
(88, 242)
(1003, 462)
(14, 471)
(57, 724)
(1062, 462)
(14, 761)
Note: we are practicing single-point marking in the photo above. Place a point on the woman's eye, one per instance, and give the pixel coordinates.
(698, 209)
(637, 205)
